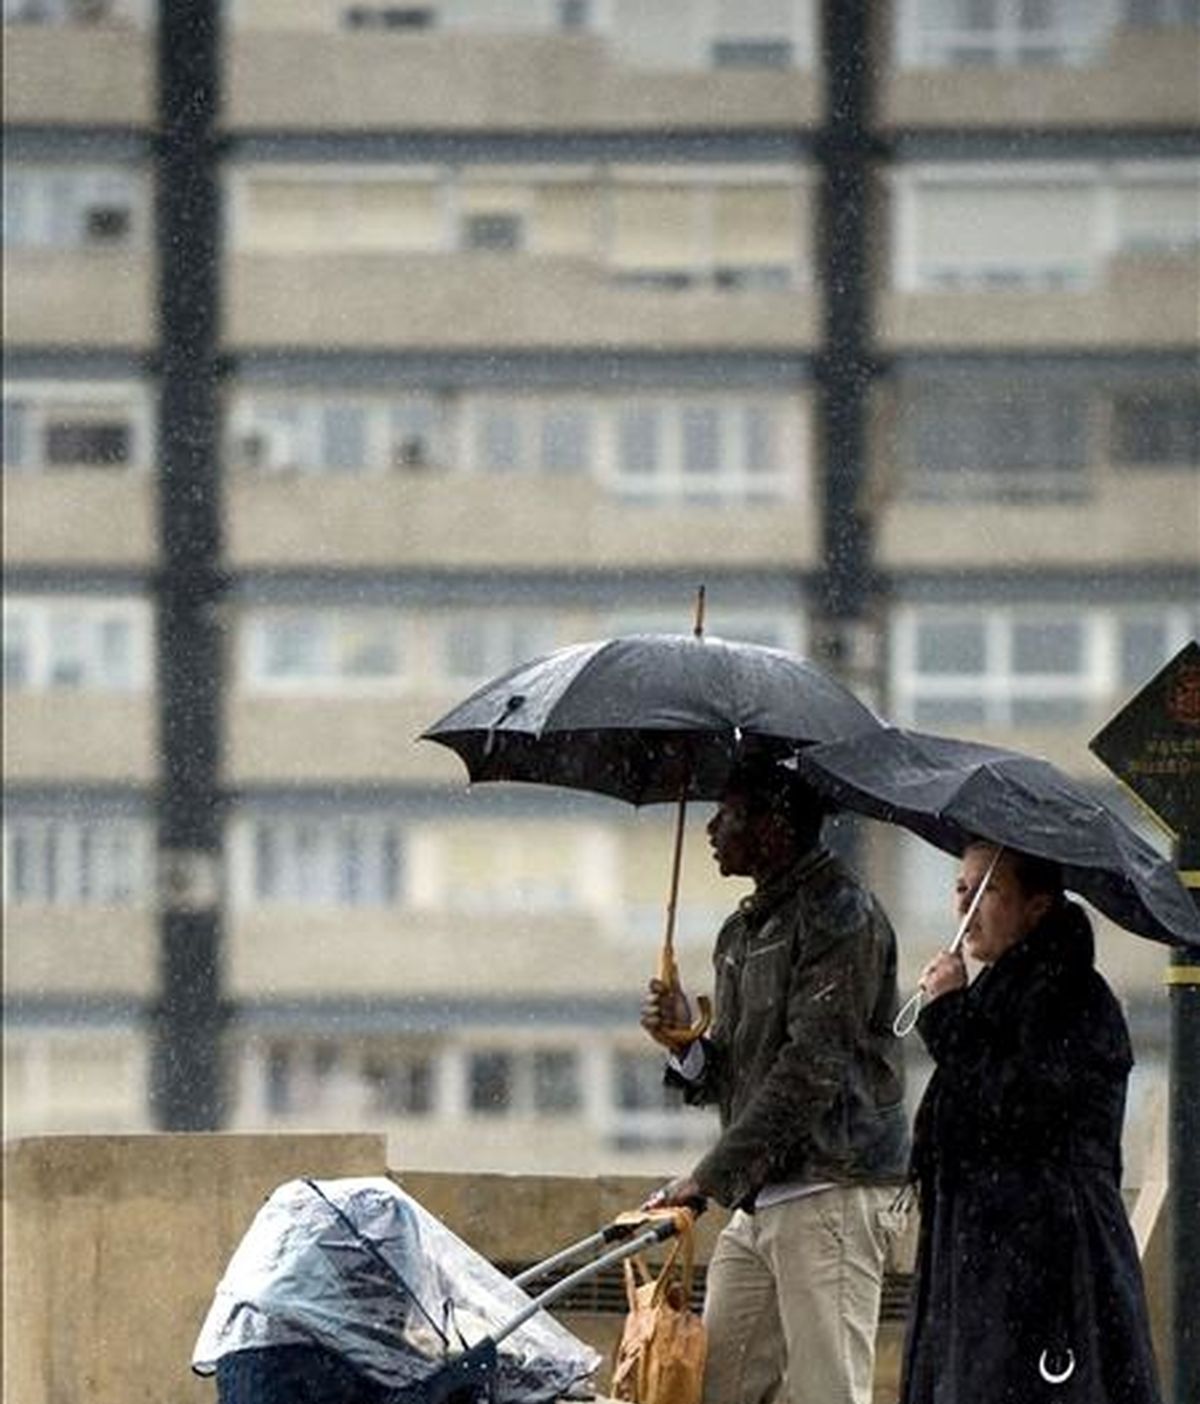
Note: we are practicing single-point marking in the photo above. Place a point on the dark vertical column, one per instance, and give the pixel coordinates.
(1183, 976)
(187, 1077)
(845, 365)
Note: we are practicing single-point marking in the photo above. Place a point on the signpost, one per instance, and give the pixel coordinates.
(1153, 746)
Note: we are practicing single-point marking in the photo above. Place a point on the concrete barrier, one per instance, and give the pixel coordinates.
(113, 1246)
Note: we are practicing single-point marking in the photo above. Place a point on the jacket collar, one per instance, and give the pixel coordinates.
(768, 896)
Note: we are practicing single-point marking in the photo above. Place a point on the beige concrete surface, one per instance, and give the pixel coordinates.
(113, 1246)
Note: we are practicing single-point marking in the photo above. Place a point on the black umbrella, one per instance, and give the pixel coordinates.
(950, 791)
(646, 718)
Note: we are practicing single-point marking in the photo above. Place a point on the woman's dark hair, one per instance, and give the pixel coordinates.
(1034, 875)
(1037, 875)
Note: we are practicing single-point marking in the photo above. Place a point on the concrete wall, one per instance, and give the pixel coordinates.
(113, 1246)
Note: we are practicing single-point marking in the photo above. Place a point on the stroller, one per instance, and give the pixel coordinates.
(349, 1292)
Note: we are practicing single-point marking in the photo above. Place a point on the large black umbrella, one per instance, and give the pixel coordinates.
(949, 791)
(645, 718)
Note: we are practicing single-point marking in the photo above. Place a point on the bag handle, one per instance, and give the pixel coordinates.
(681, 1259)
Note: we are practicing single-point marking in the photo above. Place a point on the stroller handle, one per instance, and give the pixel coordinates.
(664, 1224)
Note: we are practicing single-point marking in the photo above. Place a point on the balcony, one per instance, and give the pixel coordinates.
(417, 953)
(82, 518)
(500, 523)
(1138, 79)
(81, 737)
(1145, 517)
(93, 75)
(360, 82)
(1139, 302)
(442, 302)
(77, 952)
(101, 300)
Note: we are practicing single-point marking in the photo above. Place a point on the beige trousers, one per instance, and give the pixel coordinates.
(792, 1301)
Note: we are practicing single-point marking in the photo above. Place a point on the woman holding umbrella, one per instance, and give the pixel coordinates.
(1028, 1286)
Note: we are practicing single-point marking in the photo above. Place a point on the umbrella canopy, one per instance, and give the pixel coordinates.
(647, 717)
(950, 791)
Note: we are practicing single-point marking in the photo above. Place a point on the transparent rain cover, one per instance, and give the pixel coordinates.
(359, 1267)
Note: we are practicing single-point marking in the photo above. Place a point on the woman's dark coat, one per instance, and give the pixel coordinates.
(1024, 1244)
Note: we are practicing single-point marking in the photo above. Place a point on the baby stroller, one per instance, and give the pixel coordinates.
(349, 1292)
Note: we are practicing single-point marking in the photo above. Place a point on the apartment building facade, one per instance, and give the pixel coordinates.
(437, 335)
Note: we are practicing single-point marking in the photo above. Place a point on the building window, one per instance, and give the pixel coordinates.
(556, 1082)
(991, 440)
(1053, 228)
(647, 1114)
(566, 441)
(493, 232)
(1157, 429)
(721, 233)
(1001, 33)
(998, 232)
(67, 207)
(389, 17)
(479, 644)
(402, 1084)
(490, 1082)
(76, 644)
(1026, 666)
(52, 427)
(773, 627)
(523, 867)
(315, 650)
(335, 860)
(574, 16)
(716, 450)
(75, 12)
(336, 436)
(1161, 14)
(1158, 209)
(73, 861)
(752, 53)
(304, 1076)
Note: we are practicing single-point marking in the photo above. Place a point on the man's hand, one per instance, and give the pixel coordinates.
(684, 1192)
(664, 1008)
(945, 972)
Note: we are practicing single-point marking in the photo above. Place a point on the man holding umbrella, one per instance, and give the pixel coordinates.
(805, 1069)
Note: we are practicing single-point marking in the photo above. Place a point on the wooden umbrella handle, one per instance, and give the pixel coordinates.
(679, 1037)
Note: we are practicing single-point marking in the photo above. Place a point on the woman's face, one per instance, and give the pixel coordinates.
(1005, 914)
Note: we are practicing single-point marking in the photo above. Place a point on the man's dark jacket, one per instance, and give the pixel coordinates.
(801, 1059)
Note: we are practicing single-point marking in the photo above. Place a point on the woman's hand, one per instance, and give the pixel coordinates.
(664, 1008)
(945, 972)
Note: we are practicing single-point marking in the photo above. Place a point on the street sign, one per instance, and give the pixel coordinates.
(1153, 745)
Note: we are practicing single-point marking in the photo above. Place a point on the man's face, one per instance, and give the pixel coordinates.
(734, 836)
